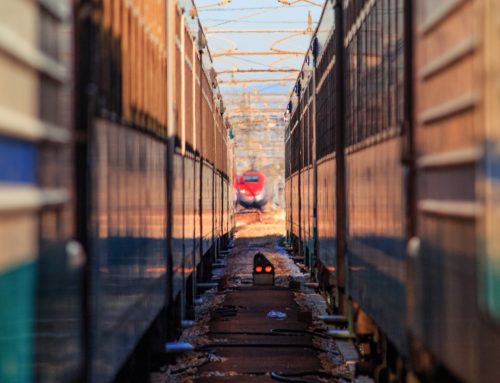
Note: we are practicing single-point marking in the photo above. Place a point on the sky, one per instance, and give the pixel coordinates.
(251, 15)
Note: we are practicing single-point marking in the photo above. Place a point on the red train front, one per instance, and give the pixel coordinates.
(251, 189)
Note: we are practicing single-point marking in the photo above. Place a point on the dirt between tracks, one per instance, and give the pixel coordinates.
(254, 233)
(259, 235)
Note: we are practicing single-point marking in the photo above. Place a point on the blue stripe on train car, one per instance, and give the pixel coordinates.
(377, 283)
(129, 288)
(17, 293)
(394, 247)
(58, 311)
(491, 168)
(327, 252)
(17, 160)
(490, 262)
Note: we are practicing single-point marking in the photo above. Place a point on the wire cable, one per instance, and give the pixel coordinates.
(250, 8)
(289, 376)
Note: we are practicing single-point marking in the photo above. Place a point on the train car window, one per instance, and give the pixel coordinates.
(380, 71)
(375, 70)
(301, 142)
(366, 83)
(251, 178)
(295, 145)
(305, 119)
(392, 63)
(400, 60)
(375, 73)
(386, 68)
(370, 65)
(374, 128)
(355, 90)
(353, 74)
(311, 128)
(325, 105)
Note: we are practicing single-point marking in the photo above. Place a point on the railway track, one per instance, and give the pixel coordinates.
(238, 340)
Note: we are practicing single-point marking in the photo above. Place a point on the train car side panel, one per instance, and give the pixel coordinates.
(288, 199)
(327, 228)
(304, 216)
(128, 251)
(376, 236)
(207, 207)
(450, 134)
(326, 145)
(177, 222)
(197, 217)
(295, 197)
(189, 215)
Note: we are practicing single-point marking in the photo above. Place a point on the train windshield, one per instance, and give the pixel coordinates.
(251, 178)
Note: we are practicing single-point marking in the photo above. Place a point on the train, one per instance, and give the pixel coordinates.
(251, 190)
(391, 163)
(115, 185)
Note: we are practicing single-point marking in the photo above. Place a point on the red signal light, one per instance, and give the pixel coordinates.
(263, 270)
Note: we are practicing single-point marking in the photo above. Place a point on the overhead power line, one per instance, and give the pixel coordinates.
(258, 53)
(260, 94)
(267, 22)
(252, 70)
(234, 82)
(251, 8)
(272, 30)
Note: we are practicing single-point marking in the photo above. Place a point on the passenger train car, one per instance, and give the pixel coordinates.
(391, 157)
(115, 184)
(252, 190)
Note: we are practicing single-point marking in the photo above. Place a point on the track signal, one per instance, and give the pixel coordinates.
(263, 270)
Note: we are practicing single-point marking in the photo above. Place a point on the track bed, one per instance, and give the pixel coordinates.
(235, 339)
(241, 340)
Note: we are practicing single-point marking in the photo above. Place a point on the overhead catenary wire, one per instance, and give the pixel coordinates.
(261, 30)
(250, 8)
(253, 70)
(242, 18)
(244, 59)
(267, 22)
(254, 80)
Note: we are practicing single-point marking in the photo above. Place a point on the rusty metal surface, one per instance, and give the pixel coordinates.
(256, 349)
